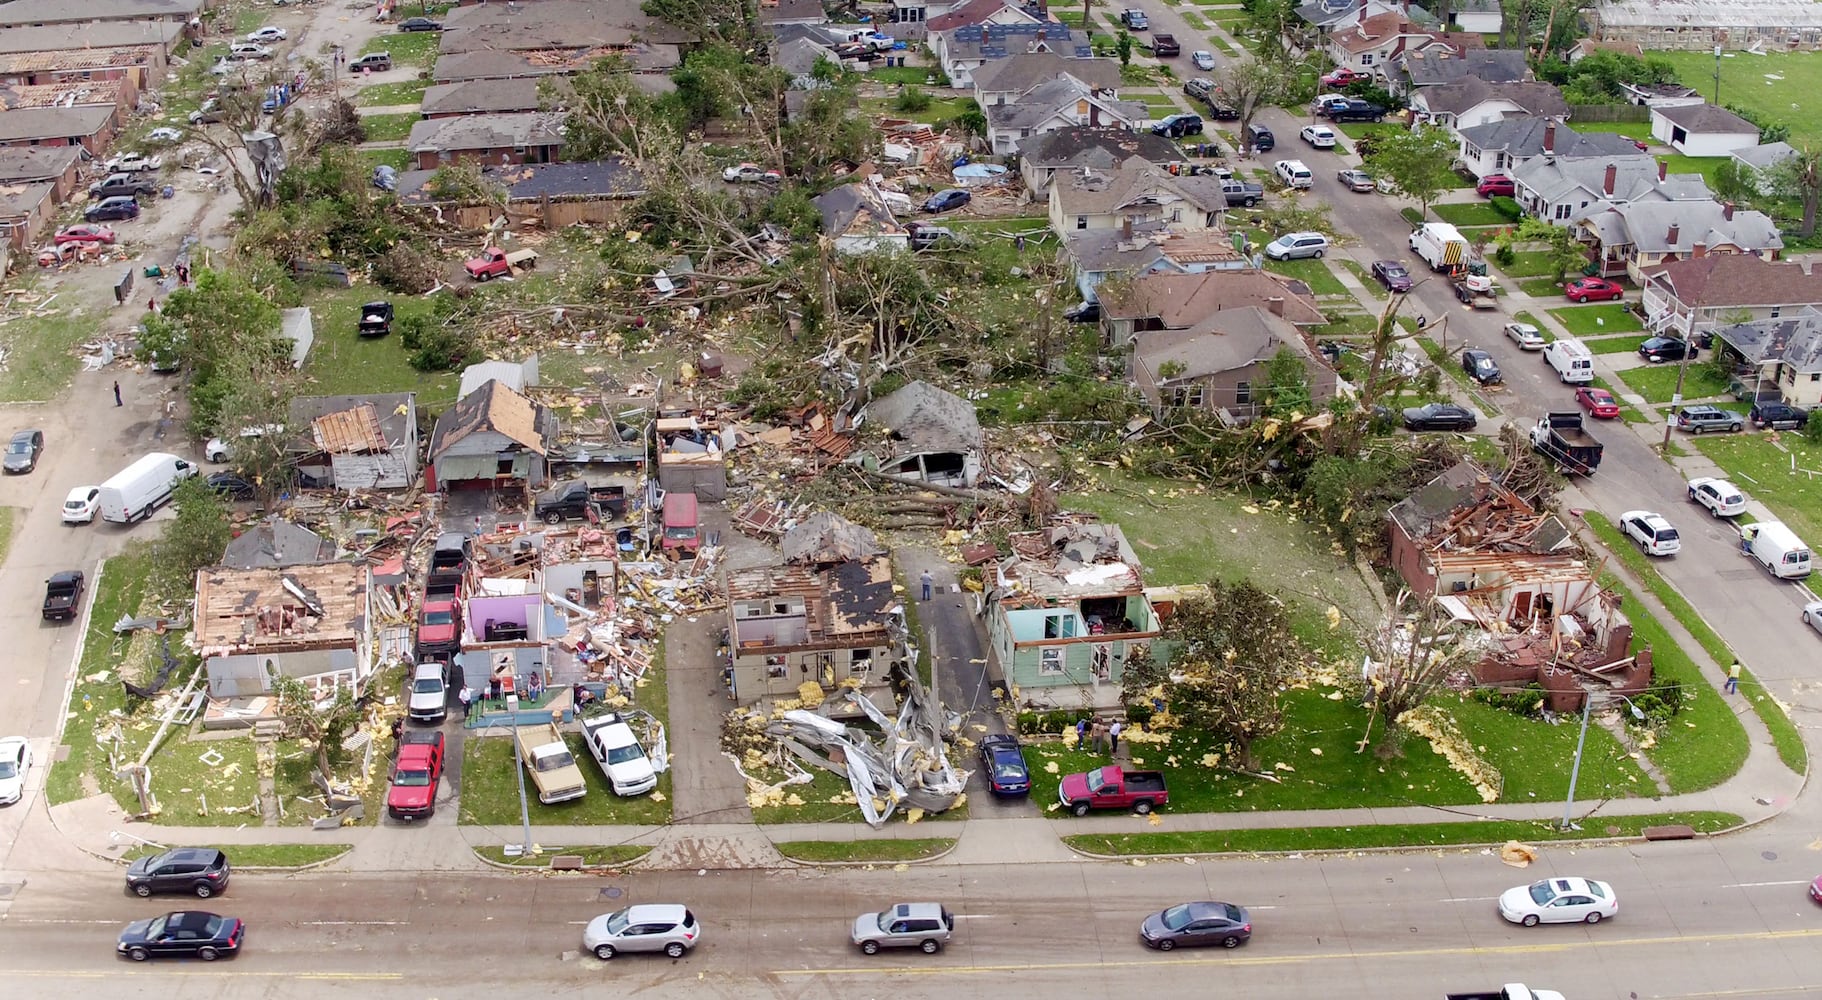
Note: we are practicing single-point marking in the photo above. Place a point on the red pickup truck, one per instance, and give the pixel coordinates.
(439, 626)
(1112, 787)
(416, 775)
(497, 263)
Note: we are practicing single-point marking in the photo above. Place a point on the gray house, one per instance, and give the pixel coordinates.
(1563, 189)
(490, 439)
(358, 442)
(276, 543)
(932, 436)
(1084, 147)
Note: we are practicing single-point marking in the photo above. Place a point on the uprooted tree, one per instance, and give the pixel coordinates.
(1237, 653)
(321, 722)
(1410, 656)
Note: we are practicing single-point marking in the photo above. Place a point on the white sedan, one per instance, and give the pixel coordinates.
(1722, 498)
(1652, 531)
(1320, 136)
(15, 761)
(1204, 59)
(1559, 901)
(267, 34)
(1812, 615)
(1526, 336)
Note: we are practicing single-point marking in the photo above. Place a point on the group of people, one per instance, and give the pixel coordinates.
(501, 685)
(1098, 735)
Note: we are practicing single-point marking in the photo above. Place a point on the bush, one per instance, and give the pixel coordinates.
(1139, 714)
(1504, 255)
(434, 345)
(1528, 701)
(911, 100)
(1507, 207)
(1050, 723)
(407, 270)
(1660, 704)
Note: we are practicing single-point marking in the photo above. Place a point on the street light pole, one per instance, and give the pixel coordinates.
(1717, 74)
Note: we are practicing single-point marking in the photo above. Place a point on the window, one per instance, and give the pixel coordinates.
(1081, 222)
(1776, 311)
(1189, 395)
(1176, 215)
(1243, 393)
(1562, 212)
(1050, 661)
(775, 668)
(1367, 59)
(1059, 626)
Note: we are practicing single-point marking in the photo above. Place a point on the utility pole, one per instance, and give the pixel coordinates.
(1576, 770)
(1682, 371)
(1717, 74)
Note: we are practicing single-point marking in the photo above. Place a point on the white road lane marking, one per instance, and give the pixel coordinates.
(352, 923)
(1755, 885)
(1468, 899)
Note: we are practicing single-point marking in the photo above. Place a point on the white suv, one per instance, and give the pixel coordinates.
(1294, 174)
(1651, 531)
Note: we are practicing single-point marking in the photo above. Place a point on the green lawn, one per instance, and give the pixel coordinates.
(1612, 345)
(1528, 264)
(408, 48)
(1746, 82)
(1657, 383)
(915, 75)
(1314, 273)
(341, 363)
(244, 856)
(1373, 286)
(387, 128)
(1640, 131)
(1449, 361)
(1194, 20)
(1784, 734)
(119, 589)
(376, 95)
(1470, 213)
(397, 159)
(490, 792)
(940, 110)
(861, 851)
(1542, 288)
(1360, 130)
(1155, 102)
(1591, 319)
(1338, 838)
(43, 352)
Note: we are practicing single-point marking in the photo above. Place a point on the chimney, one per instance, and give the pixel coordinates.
(983, 34)
(1275, 305)
(1040, 34)
(1126, 229)
(1550, 137)
(1663, 169)
(1727, 211)
(1670, 238)
(1699, 251)
(1613, 171)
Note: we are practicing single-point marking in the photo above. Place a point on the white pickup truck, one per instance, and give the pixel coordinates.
(612, 743)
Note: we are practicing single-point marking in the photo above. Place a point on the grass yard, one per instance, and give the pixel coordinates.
(1744, 79)
(408, 48)
(1194, 20)
(1784, 734)
(397, 159)
(1360, 130)
(42, 353)
(1528, 264)
(1224, 46)
(379, 95)
(490, 792)
(598, 856)
(1657, 383)
(1591, 319)
(242, 856)
(1524, 316)
(940, 109)
(1450, 362)
(388, 128)
(1640, 131)
(1542, 288)
(1763, 469)
(1156, 102)
(1314, 273)
(1337, 838)
(1372, 284)
(864, 851)
(1612, 345)
(1470, 213)
(343, 364)
(915, 75)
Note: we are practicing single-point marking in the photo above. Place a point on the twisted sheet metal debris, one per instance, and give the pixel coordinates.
(903, 765)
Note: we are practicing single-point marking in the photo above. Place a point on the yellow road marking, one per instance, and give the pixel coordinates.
(1230, 960)
(198, 973)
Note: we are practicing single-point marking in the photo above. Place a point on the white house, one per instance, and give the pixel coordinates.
(1473, 101)
(1482, 17)
(1717, 290)
(1702, 130)
(1755, 161)
(1499, 147)
(1059, 103)
(1562, 189)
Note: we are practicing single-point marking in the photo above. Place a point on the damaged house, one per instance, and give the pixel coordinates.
(492, 438)
(931, 436)
(313, 623)
(828, 616)
(358, 442)
(1064, 611)
(692, 454)
(1489, 558)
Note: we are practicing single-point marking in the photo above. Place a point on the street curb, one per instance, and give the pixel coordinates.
(932, 859)
(1351, 851)
(547, 870)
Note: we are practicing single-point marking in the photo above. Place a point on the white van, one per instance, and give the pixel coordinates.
(1777, 548)
(1573, 362)
(135, 491)
(1294, 174)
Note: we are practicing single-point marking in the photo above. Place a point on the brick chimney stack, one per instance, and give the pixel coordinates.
(1671, 237)
(1613, 172)
(1663, 171)
(1275, 305)
(1727, 211)
(1126, 229)
(1698, 251)
(1549, 137)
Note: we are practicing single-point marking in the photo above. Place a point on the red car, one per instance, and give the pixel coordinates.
(1495, 184)
(1590, 289)
(1598, 402)
(1341, 77)
(1815, 890)
(84, 233)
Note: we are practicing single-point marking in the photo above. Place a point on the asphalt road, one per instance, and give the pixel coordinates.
(1696, 920)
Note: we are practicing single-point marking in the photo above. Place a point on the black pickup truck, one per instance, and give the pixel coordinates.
(1353, 110)
(376, 319)
(575, 498)
(62, 595)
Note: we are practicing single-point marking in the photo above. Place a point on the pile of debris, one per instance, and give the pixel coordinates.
(903, 765)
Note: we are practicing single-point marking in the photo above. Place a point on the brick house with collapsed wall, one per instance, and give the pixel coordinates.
(1490, 558)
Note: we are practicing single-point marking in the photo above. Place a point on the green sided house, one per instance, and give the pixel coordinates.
(1064, 612)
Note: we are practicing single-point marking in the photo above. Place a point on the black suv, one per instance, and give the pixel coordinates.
(199, 870)
(1777, 416)
(1660, 349)
(1178, 125)
(1354, 110)
(1261, 138)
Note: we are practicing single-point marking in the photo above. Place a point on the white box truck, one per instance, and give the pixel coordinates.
(1777, 548)
(135, 491)
(1440, 245)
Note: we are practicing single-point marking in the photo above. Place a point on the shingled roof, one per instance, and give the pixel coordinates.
(494, 407)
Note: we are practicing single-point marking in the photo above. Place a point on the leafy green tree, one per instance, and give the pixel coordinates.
(193, 539)
(1566, 253)
(1287, 385)
(1123, 47)
(323, 724)
(1421, 162)
(1799, 177)
(1237, 652)
(730, 22)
